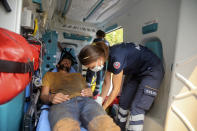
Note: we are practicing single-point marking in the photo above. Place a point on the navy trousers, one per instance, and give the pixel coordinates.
(137, 96)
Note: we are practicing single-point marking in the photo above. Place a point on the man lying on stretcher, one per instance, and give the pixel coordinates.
(72, 105)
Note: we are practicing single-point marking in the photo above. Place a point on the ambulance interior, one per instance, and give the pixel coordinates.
(167, 27)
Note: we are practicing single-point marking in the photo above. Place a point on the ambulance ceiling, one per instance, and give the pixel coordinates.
(92, 11)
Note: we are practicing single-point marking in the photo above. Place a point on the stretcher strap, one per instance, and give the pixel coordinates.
(15, 67)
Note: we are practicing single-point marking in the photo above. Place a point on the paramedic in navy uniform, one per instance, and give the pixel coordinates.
(143, 72)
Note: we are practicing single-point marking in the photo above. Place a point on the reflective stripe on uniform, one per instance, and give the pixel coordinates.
(135, 128)
(122, 119)
(122, 111)
(138, 117)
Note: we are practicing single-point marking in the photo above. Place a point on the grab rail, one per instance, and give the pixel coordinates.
(192, 91)
(183, 118)
(188, 84)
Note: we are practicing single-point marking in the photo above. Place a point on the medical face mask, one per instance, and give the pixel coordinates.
(97, 68)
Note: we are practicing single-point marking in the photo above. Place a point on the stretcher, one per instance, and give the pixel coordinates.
(43, 122)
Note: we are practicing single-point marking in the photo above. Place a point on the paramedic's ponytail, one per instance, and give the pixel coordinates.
(91, 53)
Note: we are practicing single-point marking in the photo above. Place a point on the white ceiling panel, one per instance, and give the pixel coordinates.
(92, 11)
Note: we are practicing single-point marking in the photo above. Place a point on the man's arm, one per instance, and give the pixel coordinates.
(116, 80)
(59, 46)
(44, 96)
(53, 98)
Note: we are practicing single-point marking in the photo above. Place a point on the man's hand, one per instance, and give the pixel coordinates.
(59, 46)
(58, 98)
(87, 92)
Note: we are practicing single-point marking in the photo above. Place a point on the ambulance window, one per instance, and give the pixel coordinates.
(115, 36)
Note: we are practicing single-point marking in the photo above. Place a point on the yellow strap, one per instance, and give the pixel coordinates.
(35, 26)
(93, 83)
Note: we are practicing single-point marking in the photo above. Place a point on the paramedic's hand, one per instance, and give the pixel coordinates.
(87, 92)
(105, 106)
(99, 100)
(59, 98)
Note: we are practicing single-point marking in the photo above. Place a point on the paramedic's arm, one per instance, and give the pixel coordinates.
(106, 85)
(116, 80)
(53, 98)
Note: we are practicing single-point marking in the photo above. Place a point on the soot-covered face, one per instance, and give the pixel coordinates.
(65, 65)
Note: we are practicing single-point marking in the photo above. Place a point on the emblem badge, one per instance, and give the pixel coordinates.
(116, 65)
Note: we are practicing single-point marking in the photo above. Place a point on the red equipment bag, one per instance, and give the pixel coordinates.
(17, 58)
(36, 52)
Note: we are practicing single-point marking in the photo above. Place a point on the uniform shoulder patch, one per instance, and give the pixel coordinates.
(116, 65)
